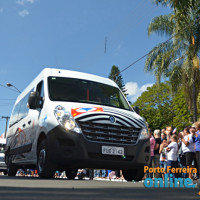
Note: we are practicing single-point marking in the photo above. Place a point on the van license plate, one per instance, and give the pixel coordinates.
(113, 150)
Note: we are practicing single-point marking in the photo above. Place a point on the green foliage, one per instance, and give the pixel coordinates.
(163, 25)
(116, 76)
(181, 5)
(160, 108)
(178, 59)
(182, 115)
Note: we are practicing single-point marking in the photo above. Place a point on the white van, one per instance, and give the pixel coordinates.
(3, 167)
(73, 121)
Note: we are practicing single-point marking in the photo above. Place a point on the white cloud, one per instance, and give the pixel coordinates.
(134, 91)
(23, 13)
(23, 2)
(132, 88)
(144, 87)
(31, 1)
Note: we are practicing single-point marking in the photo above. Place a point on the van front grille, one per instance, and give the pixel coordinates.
(109, 133)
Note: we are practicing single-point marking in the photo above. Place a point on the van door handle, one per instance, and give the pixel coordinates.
(24, 125)
(29, 122)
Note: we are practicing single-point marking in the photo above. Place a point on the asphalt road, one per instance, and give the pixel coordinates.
(28, 188)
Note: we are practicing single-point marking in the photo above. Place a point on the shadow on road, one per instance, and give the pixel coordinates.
(10, 193)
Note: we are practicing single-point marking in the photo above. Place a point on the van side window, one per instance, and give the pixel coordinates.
(14, 115)
(20, 110)
(23, 112)
(40, 91)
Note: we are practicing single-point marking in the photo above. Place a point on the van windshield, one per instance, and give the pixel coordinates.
(84, 91)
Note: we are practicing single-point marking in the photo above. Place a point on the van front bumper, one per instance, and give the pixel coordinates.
(73, 150)
(3, 166)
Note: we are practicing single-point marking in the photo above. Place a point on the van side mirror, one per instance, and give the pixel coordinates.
(137, 110)
(32, 100)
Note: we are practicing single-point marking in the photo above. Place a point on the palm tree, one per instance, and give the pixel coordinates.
(178, 59)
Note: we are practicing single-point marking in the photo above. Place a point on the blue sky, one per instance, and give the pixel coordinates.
(70, 34)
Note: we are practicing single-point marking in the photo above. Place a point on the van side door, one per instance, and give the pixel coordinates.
(20, 143)
(35, 116)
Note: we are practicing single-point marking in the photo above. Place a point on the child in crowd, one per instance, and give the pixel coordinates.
(163, 155)
(173, 153)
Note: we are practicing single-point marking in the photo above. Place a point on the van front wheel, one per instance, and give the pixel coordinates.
(11, 169)
(133, 174)
(44, 167)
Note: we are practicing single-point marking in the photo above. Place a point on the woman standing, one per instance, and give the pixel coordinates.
(152, 146)
(188, 148)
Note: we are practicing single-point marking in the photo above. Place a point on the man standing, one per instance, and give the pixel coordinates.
(156, 159)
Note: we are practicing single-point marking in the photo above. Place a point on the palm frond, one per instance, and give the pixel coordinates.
(162, 25)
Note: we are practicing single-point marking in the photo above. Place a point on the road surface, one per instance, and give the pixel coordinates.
(28, 188)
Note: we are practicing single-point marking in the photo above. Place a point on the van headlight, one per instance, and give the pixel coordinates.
(66, 120)
(144, 134)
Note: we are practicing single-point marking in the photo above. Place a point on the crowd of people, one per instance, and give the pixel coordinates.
(175, 150)
(81, 174)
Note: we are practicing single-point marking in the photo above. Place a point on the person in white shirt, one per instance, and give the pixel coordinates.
(188, 148)
(173, 153)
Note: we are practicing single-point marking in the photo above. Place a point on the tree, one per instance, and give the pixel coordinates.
(160, 108)
(178, 60)
(182, 115)
(116, 76)
(156, 106)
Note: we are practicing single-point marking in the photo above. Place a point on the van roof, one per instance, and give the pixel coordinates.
(80, 75)
(46, 72)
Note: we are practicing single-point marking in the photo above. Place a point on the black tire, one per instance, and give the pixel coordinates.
(5, 173)
(44, 167)
(133, 174)
(71, 173)
(11, 168)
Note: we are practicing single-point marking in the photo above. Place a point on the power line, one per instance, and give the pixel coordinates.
(7, 99)
(163, 43)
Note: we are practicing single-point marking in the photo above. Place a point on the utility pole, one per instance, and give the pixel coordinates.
(7, 118)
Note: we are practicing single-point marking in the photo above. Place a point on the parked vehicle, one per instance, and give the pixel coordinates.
(3, 167)
(66, 120)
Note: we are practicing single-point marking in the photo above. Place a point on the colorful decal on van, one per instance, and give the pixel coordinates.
(44, 123)
(81, 110)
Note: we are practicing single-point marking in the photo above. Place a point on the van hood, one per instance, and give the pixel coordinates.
(83, 112)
